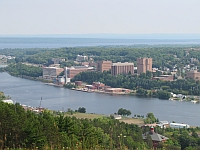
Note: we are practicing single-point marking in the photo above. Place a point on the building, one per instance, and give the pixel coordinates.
(194, 74)
(71, 72)
(144, 65)
(80, 58)
(78, 83)
(179, 125)
(9, 101)
(104, 66)
(122, 68)
(117, 90)
(164, 78)
(57, 60)
(156, 138)
(98, 85)
(51, 72)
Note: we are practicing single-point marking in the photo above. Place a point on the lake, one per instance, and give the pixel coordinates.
(29, 92)
(47, 42)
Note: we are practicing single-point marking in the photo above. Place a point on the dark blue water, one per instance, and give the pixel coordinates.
(30, 42)
(30, 92)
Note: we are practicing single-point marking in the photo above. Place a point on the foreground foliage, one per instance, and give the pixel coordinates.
(25, 129)
(20, 129)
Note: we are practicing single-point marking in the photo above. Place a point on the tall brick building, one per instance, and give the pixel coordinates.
(122, 68)
(104, 65)
(144, 65)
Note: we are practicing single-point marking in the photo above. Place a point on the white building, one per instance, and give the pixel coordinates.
(9, 101)
(163, 122)
(81, 58)
(179, 125)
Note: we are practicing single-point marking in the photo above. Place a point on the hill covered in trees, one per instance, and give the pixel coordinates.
(20, 129)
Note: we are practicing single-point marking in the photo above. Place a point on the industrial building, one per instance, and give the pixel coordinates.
(104, 65)
(144, 65)
(122, 68)
(51, 72)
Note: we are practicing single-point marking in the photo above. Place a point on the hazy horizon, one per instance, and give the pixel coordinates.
(107, 36)
(69, 17)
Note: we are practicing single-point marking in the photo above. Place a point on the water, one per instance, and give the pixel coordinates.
(38, 42)
(30, 92)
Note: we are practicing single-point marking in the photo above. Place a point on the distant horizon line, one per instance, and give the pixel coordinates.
(109, 36)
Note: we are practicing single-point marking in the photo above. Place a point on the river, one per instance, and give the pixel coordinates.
(29, 92)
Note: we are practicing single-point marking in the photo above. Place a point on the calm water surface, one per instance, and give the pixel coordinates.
(30, 92)
(31, 42)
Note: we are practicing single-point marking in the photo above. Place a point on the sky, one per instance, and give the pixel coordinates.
(32, 17)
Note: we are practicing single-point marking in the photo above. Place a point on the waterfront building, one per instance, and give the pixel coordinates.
(122, 68)
(144, 65)
(71, 72)
(80, 58)
(179, 125)
(51, 72)
(193, 74)
(78, 83)
(117, 90)
(104, 65)
(98, 85)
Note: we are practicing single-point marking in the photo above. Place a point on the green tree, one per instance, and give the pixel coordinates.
(82, 109)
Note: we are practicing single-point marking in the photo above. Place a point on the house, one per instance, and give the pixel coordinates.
(9, 101)
(156, 138)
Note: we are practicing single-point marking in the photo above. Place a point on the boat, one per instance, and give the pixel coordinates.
(194, 101)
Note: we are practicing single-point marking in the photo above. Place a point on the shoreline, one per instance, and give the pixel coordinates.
(47, 82)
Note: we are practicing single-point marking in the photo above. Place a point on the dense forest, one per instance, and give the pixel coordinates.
(20, 129)
(163, 56)
(19, 69)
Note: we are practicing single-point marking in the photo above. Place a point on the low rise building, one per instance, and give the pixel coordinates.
(193, 74)
(164, 78)
(98, 85)
(9, 101)
(57, 60)
(156, 138)
(179, 125)
(80, 58)
(78, 83)
(117, 90)
(71, 72)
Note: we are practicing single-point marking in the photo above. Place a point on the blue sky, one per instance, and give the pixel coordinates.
(99, 17)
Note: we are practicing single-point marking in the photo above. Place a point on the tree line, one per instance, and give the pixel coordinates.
(163, 56)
